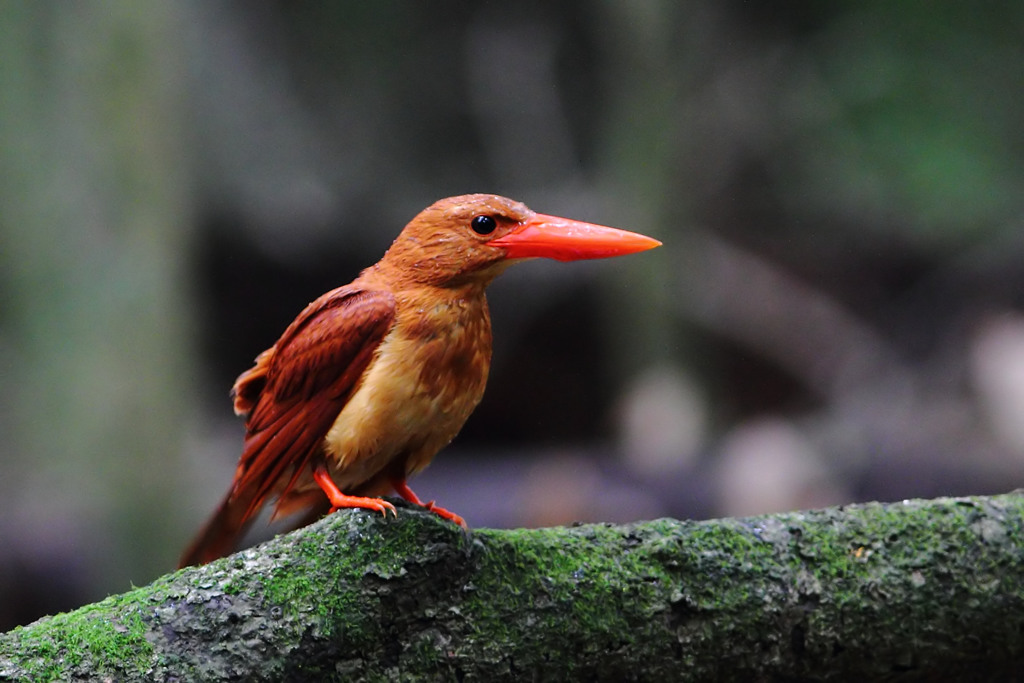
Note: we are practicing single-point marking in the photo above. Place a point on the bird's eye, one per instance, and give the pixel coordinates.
(483, 225)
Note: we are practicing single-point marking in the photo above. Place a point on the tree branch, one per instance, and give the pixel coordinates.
(915, 590)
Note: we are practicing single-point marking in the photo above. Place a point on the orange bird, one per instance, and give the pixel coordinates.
(374, 378)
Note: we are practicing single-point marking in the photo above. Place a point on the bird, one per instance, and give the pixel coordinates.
(373, 378)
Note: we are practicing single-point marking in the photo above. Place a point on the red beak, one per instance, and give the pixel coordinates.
(567, 240)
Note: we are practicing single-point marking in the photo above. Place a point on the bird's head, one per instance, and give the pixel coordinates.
(475, 237)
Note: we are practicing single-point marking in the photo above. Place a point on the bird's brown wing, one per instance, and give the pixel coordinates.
(291, 397)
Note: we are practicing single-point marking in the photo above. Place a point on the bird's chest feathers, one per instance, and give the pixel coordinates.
(427, 377)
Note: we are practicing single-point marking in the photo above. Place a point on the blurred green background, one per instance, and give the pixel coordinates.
(837, 313)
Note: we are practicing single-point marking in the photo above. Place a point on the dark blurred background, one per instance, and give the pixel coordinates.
(837, 314)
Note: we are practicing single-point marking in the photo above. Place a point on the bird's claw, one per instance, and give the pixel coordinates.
(405, 492)
(380, 505)
(446, 514)
(340, 500)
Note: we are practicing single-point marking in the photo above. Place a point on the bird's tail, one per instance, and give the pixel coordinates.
(221, 533)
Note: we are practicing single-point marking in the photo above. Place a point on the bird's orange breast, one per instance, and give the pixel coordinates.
(427, 377)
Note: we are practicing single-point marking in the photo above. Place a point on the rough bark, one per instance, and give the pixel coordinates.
(917, 590)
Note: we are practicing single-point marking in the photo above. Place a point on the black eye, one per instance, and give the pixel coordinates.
(483, 225)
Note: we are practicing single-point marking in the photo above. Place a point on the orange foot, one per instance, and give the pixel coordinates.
(340, 500)
(405, 492)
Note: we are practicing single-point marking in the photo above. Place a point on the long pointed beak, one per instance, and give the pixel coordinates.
(567, 240)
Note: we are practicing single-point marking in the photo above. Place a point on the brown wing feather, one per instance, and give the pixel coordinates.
(291, 396)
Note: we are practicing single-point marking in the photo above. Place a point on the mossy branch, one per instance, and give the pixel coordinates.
(918, 590)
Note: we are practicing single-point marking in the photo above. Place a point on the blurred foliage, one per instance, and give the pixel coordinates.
(95, 336)
(838, 302)
(920, 117)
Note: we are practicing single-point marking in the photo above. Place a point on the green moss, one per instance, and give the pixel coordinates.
(576, 573)
(87, 640)
(337, 558)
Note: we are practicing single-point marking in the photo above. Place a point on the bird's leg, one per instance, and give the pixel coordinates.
(340, 500)
(405, 492)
